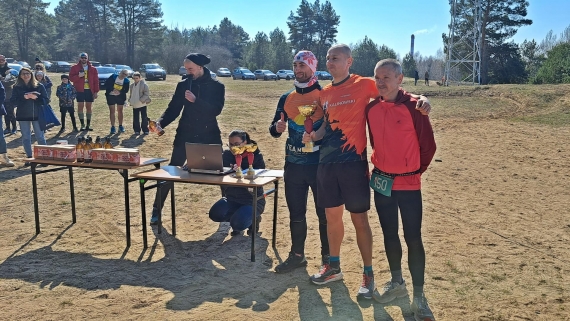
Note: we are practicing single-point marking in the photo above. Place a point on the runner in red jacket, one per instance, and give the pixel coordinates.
(85, 79)
(402, 149)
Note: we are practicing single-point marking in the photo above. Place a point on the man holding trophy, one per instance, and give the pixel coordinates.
(298, 110)
(343, 170)
(199, 99)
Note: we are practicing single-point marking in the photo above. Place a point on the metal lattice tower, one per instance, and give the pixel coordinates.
(463, 64)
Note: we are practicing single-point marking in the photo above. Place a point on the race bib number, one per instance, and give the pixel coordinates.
(381, 184)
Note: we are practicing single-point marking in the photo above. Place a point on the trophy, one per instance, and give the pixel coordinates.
(250, 149)
(155, 127)
(238, 153)
(308, 111)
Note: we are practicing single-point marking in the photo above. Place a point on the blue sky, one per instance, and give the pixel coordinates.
(385, 22)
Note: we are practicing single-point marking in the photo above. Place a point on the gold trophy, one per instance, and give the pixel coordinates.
(250, 149)
(238, 153)
(308, 111)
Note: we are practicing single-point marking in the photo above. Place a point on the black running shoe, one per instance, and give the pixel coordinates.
(327, 274)
(293, 261)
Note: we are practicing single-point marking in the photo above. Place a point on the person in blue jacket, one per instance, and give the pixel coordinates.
(235, 205)
(116, 89)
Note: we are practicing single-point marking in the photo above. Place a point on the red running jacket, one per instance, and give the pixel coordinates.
(79, 83)
(401, 138)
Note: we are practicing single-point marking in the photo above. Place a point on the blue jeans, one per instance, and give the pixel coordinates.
(2, 140)
(238, 215)
(26, 129)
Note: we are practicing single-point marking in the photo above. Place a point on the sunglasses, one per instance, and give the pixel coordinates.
(38, 68)
(26, 74)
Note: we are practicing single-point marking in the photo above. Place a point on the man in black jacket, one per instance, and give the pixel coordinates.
(200, 99)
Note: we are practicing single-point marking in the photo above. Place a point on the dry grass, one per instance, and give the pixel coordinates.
(496, 227)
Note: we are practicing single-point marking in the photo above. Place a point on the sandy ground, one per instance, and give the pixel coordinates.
(496, 232)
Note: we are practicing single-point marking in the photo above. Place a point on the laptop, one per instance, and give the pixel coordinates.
(206, 159)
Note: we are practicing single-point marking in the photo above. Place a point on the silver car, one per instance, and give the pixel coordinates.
(285, 74)
(152, 71)
(264, 74)
(224, 72)
(119, 68)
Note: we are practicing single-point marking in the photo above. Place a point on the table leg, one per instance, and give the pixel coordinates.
(173, 209)
(275, 198)
(143, 211)
(35, 195)
(254, 223)
(125, 174)
(159, 204)
(72, 193)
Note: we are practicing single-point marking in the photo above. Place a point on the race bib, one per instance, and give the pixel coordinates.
(382, 183)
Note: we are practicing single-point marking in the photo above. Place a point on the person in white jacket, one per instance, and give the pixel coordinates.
(139, 97)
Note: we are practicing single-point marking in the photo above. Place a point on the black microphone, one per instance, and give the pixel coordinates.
(190, 78)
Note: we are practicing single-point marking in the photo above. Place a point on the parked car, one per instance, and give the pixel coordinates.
(24, 64)
(323, 75)
(109, 65)
(182, 72)
(11, 60)
(130, 70)
(60, 66)
(242, 73)
(264, 74)
(47, 64)
(16, 67)
(285, 74)
(224, 72)
(95, 64)
(152, 71)
(104, 74)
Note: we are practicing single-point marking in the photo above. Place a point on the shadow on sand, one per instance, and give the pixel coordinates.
(209, 270)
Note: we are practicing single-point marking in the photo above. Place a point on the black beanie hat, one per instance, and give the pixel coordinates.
(198, 59)
(64, 76)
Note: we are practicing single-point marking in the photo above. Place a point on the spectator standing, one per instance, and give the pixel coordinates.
(29, 96)
(8, 77)
(426, 76)
(43, 78)
(139, 97)
(416, 77)
(4, 160)
(116, 88)
(66, 94)
(85, 79)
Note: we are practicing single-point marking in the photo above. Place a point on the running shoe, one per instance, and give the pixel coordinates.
(421, 309)
(292, 262)
(367, 288)
(327, 274)
(390, 291)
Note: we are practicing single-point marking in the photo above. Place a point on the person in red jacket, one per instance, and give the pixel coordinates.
(402, 148)
(85, 79)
